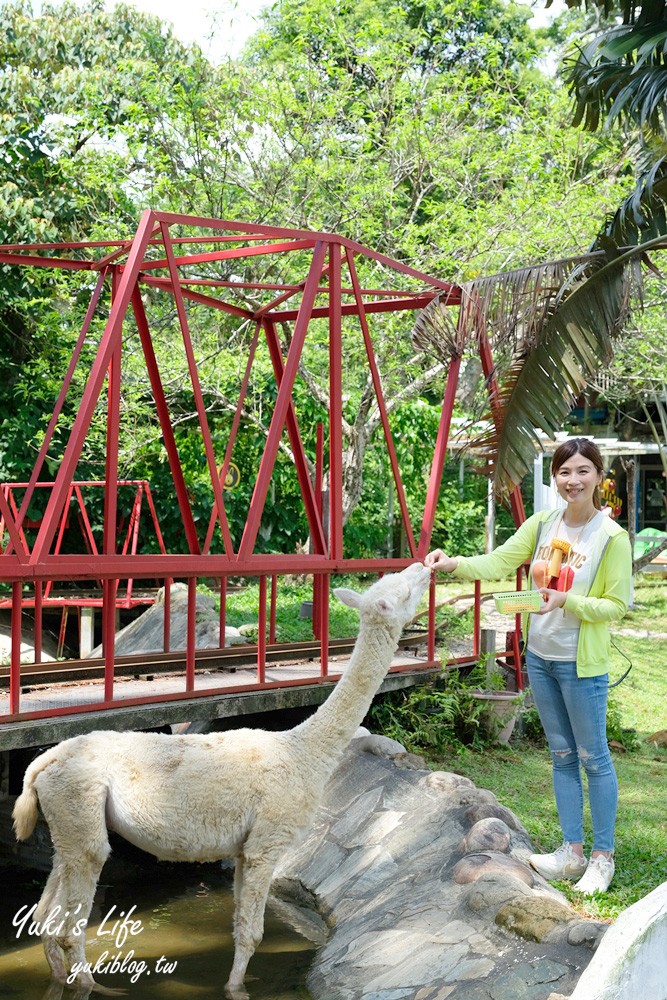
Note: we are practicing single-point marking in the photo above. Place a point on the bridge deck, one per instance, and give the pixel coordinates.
(217, 694)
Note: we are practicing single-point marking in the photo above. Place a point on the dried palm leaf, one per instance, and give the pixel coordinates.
(556, 323)
(510, 307)
(436, 329)
(575, 341)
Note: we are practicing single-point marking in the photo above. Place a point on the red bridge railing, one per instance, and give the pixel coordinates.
(177, 256)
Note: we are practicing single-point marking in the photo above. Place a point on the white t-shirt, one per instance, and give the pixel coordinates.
(554, 636)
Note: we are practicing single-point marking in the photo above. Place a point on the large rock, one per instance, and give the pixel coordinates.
(146, 633)
(534, 918)
(382, 861)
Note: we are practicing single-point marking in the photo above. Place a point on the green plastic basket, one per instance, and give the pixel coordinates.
(518, 601)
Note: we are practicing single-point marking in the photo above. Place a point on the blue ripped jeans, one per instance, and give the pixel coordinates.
(573, 712)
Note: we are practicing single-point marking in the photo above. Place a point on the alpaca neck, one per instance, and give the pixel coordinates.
(326, 734)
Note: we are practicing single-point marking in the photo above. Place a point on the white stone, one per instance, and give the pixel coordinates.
(380, 947)
(423, 962)
(233, 636)
(631, 959)
(470, 968)
(351, 868)
(455, 932)
(382, 746)
(361, 731)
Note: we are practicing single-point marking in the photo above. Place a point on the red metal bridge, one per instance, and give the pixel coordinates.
(164, 256)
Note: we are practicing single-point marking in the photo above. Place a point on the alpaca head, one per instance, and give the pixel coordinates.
(392, 601)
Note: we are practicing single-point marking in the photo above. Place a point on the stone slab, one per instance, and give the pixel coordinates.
(388, 843)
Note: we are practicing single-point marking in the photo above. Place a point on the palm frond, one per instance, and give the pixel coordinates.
(513, 306)
(436, 329)
(556, 323)
(620, 75)
(510, 307)
(628, 8)
(575, 341)
(642, 215)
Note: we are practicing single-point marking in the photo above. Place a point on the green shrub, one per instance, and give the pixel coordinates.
(434, 717)
(616, 730)
(530, 726)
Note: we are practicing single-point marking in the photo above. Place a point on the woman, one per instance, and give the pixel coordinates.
(567, 649)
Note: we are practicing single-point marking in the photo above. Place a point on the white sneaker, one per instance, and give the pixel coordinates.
(597, 877)
(563, 863)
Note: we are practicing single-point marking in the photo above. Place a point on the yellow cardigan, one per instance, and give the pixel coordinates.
(606, 601)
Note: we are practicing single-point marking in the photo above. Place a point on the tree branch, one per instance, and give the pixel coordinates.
(648, 557)
(407, 392)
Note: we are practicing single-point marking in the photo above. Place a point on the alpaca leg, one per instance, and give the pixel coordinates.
(253, 889)
(238, 882)
(47, 899)
(54, 991)
(48, 912)
(81, 846)
(78, 882)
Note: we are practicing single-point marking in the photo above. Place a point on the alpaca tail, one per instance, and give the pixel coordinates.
(25, 812)
(25, 808)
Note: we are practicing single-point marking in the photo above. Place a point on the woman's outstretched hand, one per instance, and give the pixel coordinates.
(437, 560)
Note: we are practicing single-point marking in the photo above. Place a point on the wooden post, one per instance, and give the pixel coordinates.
(86, 632)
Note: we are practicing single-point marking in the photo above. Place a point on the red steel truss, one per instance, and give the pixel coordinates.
(159, 259)
(75, 504)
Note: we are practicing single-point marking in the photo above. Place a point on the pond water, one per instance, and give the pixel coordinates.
(182, 948)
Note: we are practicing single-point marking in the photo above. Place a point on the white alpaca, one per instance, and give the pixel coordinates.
(243, 794)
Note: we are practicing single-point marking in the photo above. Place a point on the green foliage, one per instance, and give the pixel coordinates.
(616, 74)
(459, 525)
(394, 140)
(453, 624)
(64, 93)
(530, 726)
(66, 76)
(242, 609)
(421, 130)
(616, 730)
(442, 716)
(639, 367)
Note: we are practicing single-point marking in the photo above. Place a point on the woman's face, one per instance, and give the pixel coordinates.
(576, 480)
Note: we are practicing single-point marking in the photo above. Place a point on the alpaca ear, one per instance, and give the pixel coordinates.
(385, 606)
(349, 597)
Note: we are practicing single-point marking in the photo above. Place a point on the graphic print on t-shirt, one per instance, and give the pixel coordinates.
(554, 636)
(560, 557)
(565, 578)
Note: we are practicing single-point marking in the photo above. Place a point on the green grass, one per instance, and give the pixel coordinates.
(243, 605)
(650, 606)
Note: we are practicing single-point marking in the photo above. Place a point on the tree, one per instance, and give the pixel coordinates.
(560, 321)
(428, 136)
(412, 128)
(75, 82)
(619, 79)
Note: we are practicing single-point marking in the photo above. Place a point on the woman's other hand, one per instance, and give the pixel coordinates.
(437, 560)
(551, 599)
